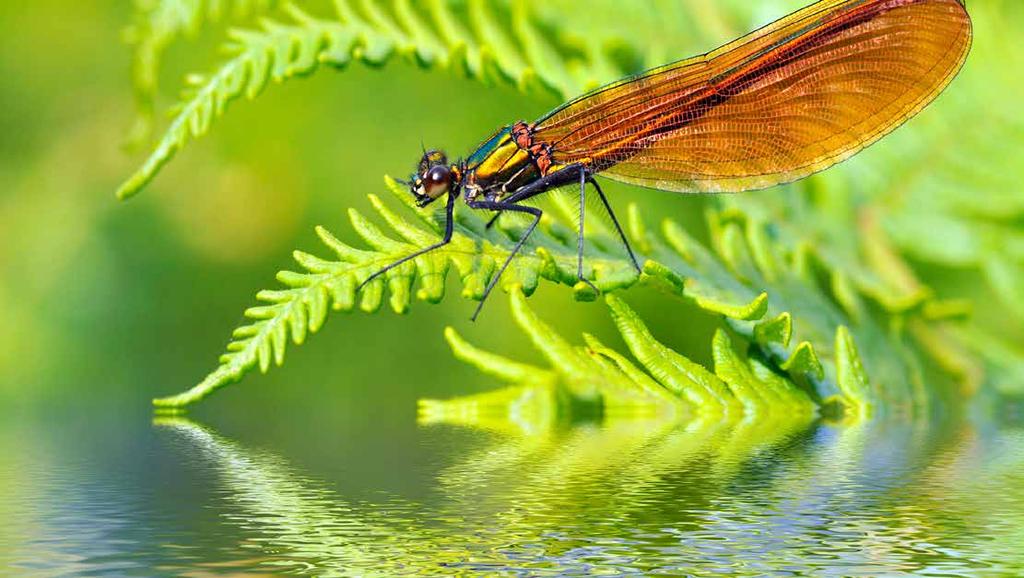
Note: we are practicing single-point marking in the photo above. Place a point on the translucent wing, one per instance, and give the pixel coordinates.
(780, 104)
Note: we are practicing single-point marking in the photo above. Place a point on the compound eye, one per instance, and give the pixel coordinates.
(436, 181)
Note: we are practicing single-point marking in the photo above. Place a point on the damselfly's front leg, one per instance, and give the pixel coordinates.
(449, 228)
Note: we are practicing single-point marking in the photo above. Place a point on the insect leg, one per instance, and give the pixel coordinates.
(579, 237)
(505, 206)
(535, 188)
(615, 221)
(541, 185)
(449, 228)
(493, 220)
(562, 176)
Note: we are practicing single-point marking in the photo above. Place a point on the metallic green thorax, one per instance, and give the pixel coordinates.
(498, 166)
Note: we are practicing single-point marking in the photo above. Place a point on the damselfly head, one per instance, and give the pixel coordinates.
(433, 179)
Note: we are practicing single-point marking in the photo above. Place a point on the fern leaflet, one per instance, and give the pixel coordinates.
(726, 283)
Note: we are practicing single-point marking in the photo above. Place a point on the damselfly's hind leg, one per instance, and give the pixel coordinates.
(564, 176)
(615, 221)
(579, 237)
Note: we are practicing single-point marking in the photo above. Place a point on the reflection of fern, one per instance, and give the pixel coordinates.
(565, 477)
(508, 501)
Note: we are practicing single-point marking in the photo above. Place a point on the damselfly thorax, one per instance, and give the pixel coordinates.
(506, 162)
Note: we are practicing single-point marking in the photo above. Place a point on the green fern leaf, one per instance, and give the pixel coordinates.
(667, 384)
(475, 38)
(840, 314)
(157, 25)
(760, 311)
(474, 254)
(275, 53)
(279, 51)
(497, 365)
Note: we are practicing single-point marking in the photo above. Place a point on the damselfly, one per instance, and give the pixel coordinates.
(777, 105)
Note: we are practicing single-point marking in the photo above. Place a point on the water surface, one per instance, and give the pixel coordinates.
(622, 497)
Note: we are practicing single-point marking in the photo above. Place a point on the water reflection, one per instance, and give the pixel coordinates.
(629, 497)
(296, 524)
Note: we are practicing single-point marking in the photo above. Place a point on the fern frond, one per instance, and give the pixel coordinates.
(474, 253)
(497, 365)
(585, 373)
(666, 384)
(158, 23)
(766, 294)
(931, 193)
(276, 52)
(475, 38)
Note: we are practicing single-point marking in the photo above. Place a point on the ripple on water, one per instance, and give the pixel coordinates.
(629, 498)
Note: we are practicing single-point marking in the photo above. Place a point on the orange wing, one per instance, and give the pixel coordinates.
(782, 103)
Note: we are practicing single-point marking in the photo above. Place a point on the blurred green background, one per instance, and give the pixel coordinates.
(111, 303)
(106, 304)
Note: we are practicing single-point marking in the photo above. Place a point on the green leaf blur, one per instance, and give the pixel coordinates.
(892, 283)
